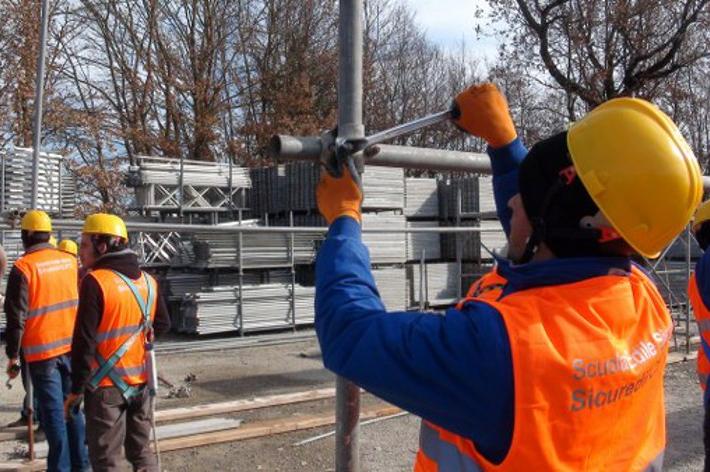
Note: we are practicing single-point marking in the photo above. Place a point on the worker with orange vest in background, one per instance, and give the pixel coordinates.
(119, 310)
(699, 295)
(40, 304)
(556, 359)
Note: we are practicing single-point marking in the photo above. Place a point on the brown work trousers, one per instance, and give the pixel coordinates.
(112, 422)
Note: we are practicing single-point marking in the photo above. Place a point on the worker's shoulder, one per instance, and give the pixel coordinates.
(47, 260)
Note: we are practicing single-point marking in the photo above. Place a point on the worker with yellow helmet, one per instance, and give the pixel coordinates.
(41, 305)
(119, 310)
(68, 246)
(554, 360)
(699, 296)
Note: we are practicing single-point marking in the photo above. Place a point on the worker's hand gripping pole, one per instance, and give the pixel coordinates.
(339, 153)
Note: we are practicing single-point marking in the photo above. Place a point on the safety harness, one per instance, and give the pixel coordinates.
(107, 366)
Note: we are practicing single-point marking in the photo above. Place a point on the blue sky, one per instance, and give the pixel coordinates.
(448, 22)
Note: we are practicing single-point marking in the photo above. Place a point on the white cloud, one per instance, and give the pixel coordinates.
(451, 22)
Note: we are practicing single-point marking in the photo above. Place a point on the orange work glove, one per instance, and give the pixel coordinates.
(338, 197)
(483, 112)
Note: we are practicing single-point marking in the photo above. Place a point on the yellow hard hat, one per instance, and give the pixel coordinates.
(104, 223)
(638, 169)
(53, 241)
(67, 245)
(36, 220)
(702, 214)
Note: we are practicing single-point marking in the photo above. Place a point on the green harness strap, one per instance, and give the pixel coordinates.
(106, 366)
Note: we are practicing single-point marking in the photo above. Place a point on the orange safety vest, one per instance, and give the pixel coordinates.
(588, 361)
(121, 317)
(489, 287)
(702, 317)
(52, 298)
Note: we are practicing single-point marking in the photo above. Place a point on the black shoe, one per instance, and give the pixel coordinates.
(16, 423)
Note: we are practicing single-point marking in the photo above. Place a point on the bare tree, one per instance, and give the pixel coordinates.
(600, 49)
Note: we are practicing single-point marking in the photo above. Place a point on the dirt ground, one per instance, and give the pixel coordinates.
(385, 446)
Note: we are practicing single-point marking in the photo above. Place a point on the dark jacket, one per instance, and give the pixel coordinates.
(91, 308)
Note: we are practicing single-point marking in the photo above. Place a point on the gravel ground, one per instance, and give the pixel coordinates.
(385, 446)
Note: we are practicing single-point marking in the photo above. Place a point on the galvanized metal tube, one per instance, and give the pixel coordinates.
(39, 98)
(407, 128)
(132, 226)
(350, 41)
(308, 148)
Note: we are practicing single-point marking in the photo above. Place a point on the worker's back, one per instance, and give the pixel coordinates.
(588, 361)
(52, 298)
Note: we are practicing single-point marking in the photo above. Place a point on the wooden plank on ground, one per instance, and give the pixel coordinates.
(268, 428)
(170, 431)
(235, 406)
(15, 432)
(24, 466)
(251, 431)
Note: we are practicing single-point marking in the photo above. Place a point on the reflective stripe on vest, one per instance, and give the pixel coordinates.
(115, 333)
(582, 353)
(52, 308)
(445, 454)
(121, 318)
(44, 348)
(702, 318)
(52, 299)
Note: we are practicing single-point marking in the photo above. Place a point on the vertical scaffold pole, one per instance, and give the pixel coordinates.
(350, 41)
(39, 98)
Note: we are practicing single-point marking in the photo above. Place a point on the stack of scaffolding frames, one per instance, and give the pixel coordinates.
(164, 184)
(421, 198)
(247, 308)
(385, 248)
(269, 190)
(486, 200)
(251, 250)
(391, 284)
(493, 239)
(16, 180)
(433, 284)
(427, 245)
(383, 188)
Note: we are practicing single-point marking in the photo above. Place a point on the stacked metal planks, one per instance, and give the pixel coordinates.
(385, 248)
(421, 198)
(252, 308)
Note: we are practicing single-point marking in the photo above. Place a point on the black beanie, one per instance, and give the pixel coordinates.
(546, 174)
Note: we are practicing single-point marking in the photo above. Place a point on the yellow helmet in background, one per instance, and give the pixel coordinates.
(69, 246)
(36, 220)
(702, 214)
(104, 223)
(52, 241)
(638, 169)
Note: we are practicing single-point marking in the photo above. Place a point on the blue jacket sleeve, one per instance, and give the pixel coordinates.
(505, 162)
(454, 370)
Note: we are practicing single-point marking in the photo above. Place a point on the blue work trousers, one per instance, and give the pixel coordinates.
(51, 380)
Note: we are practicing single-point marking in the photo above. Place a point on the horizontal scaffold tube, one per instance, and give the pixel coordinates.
(308, 148)
(236, 228)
